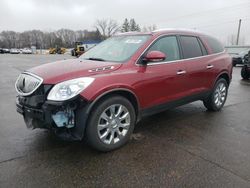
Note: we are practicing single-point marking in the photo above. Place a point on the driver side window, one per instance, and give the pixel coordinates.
(167, 45)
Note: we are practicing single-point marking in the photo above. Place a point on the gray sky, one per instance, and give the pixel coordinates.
(217, 17)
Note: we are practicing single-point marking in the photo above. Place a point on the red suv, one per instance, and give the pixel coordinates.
(102, 94)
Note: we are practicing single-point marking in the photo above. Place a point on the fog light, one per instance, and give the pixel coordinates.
(64, 118)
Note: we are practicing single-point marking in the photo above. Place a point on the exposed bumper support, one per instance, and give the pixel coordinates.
(42, 117)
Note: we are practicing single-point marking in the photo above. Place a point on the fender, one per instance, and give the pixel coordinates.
(90, 104)
(223, 72)
(107, 91)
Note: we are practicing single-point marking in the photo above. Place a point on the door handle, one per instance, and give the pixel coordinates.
(181, 72)
(209, 66)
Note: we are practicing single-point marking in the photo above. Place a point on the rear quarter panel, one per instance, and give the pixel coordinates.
(222, 64)
(227, 66)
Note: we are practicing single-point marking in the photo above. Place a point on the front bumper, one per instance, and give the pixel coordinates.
(41, 116)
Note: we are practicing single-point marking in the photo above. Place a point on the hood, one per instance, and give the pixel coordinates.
(59, 71)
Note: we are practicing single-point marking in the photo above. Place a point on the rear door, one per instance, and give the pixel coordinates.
(194, 55)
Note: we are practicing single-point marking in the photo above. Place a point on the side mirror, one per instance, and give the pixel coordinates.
(154, 56)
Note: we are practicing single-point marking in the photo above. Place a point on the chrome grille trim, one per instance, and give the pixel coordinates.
(36, 82)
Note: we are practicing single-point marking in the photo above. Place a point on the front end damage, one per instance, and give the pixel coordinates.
(66, 119)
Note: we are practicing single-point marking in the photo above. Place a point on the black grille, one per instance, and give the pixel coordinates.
(37, 98)
(27, 83)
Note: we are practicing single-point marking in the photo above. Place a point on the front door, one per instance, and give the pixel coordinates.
(167, 80)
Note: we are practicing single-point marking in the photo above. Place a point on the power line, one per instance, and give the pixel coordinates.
(211, 25)
(214, 10)
(219, 23)
(234, 7)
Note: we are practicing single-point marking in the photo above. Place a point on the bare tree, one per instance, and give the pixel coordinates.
(101, 25)
(107, 27)
(112, 28)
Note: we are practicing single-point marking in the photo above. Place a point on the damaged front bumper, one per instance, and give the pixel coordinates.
(67, 119)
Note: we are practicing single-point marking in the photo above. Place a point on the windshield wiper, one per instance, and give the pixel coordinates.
(95, 59)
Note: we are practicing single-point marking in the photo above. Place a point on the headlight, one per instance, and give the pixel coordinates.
(69, 89)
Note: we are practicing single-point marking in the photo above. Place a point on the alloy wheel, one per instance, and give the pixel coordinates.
(113, 124)
(220, 94)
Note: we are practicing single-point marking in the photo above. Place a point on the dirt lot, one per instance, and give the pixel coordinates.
(183, 147)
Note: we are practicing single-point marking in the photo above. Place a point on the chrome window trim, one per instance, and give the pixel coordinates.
(174, 61)
(165, 62)
(31, 74)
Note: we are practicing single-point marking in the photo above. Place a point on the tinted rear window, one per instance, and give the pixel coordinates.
(203, 49)
(214, 44)
(190, 47)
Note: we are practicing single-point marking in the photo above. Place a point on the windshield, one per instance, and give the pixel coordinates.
(118, 48)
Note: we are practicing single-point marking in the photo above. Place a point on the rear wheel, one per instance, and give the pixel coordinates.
(217, 98)
(111, 123)
(245, 74)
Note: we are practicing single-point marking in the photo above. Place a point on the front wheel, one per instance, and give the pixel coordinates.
(111, 123)
(217, 98)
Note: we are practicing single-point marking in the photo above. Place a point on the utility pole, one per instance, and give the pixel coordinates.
(238, 34)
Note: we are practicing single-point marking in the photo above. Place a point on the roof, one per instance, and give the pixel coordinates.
(166, 31)
(178, 30)
(134, 33)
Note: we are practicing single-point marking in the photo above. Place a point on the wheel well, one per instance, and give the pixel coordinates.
(226, 77)
(124, 93)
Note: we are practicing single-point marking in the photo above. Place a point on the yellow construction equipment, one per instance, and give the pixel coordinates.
(78, 49)
(57, 50)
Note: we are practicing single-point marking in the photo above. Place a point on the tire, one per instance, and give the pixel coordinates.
(244, 73)
(218, 97)
(107, 131)
(73, 53)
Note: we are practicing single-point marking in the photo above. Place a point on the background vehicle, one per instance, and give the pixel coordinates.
(245, 71)
(27, 51)
(1, 51)
(237, 53)
(103, 93)
(78, 49)
(57, 50)
(6, 50)
(82, 46)
(14, 51)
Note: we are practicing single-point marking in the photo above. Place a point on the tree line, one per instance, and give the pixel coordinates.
(104, 28)
(45, 40)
